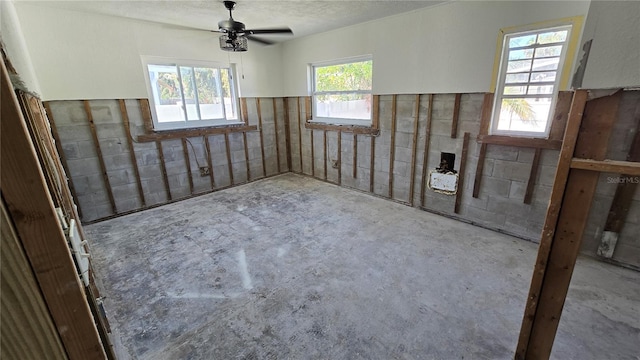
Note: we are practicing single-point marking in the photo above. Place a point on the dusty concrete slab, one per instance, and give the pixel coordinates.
(294, 268)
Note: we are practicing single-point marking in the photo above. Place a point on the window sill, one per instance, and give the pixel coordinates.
(356, 129)
(540, 143)
(192, 132)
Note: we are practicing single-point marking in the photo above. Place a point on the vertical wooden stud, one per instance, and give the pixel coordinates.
(163, 168)
(532, 176)
(372, 164)
(324, 141)
(414, 149)
(207, 146)
(392, 147)
(307, 108)
(339, 157)
(300, 136)
(485, 118)
(229, 164)
(461, 173)
(375, 113)
(479, 170)
(287, 132)
(243, 110)
(264, 164)
(246, 155)
(103, 167)
(355, 156)
(63, 159)
(313, 154)
(456, 115)
(425, 159)
(132, 153)
(145, 111)
(187, 163)
(275, 125)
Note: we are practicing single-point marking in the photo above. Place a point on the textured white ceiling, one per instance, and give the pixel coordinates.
(304, 17)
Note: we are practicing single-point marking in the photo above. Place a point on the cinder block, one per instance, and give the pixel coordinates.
(79, 167)
(526, 155)
(105, 111)
(70, 151)
(403, 154)
(88, 184)
(493, 186)
(105, 131)
(236, 142)
(404, 140)
(441, 127)
(221, 176)
(112, 146)
(74, 133)
(117, 162)
(153, 185)
(517, 190)
(499, 152)
(238, 156)
(176, 167)
(443, 107)
(124, 192)
(483, 216)
(401, 169)
(546, 174)
(405, 123)
(87, 149)
(149, 171)
(511, 170)
(121, 177)
(147, 157)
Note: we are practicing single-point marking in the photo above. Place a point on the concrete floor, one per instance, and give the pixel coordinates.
(294, 268)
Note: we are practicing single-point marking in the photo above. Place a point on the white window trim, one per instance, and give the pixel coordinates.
(501, 78)
(157, 126)
(313, 93)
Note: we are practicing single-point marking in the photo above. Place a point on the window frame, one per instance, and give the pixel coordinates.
(565, 64)
(191, 124)
(313, 93)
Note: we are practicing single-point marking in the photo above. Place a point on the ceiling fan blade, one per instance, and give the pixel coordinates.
(269, 31)
(258, 40)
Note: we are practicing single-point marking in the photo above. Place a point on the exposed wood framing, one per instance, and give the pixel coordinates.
(207, 147)
(103, 167)
(355, 156)
(25, 193)
(246, 155)
(375, 112)
(456, 115)
(307, 108)
(300, 135)
(163, 168)
(611, 166)
(485, 117)
(532, 343)
(287, 132)
(479, 170)
(313, 154)
(536, 143)
(132, 153)
(324, 143)
(361, 130)
(620, 205)
(145, 110)
(264, 164)
(414, 149)
(63, 159)
(243, 111)
(561, 113)
(185, 133)
(392, 146)
(275, 125)
(425, 158)
(532, 176)
(372, 164)
(461, 173)
(187, 163)
(339, 158)
(229, 165)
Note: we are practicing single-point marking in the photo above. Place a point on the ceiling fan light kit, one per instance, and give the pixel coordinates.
(235, 37)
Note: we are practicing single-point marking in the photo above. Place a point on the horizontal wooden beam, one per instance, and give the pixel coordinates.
(359, 130)
(179, 134)
(520, 142)
(611, 166)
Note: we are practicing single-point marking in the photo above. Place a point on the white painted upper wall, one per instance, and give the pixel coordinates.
(16, 46)
(614, 60)
(443, 49)
(79, 55)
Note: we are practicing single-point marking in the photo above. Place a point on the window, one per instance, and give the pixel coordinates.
(530, 71)
(342, 92)
(190, 94)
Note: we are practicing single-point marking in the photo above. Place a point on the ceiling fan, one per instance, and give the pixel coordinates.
(234, 35)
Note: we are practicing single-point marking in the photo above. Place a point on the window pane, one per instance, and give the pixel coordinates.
(522, 41)
(189, 91)
(548, 51)
(520, 54)
(522, 114)
(166, 92)
(345, 106)
(543, 76)
(519, 66)
(546, 64)
(515, 90)
(344, 77)
(552, 37)
(210, 101)
(227, 94)
(537, 90)
(517, 78)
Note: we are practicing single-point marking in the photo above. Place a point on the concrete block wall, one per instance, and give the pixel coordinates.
(627, 250)
(81, 154)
